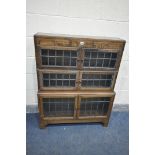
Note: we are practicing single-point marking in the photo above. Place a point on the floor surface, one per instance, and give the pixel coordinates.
(79, 139)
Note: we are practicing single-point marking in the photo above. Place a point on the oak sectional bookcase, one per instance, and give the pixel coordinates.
(76, 77)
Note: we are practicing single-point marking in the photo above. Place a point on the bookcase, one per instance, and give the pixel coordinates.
(76, 77)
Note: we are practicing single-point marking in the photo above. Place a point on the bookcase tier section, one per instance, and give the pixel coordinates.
(76, 80)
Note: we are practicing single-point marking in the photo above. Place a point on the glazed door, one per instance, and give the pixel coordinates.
(58, 79)
(59, 57)
(58, 106)
(101, 59)
(95, 106)
(97, 80)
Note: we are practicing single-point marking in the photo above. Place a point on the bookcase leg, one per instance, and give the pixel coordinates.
(105, 124)
(42, 124)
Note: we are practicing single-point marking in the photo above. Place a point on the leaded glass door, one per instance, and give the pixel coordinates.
(59, 58)
(97, 80)
(100, 59)
(58, 80)
(92, 106)
(58, 106)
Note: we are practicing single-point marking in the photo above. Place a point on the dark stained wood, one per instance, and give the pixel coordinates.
(73, 93)
(101, 120)
(74, 41)
(76, 44)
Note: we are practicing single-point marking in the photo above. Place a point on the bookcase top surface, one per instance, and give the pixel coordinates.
(40, 34)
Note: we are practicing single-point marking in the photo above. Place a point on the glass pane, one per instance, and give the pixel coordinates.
(44, 52)
(60, 76)
(72, 83)
(101, 54)
(63, 80)
(66, 76)
(96, 80)
(73, 54)
(72, 76)
(84, 83)
(44, 60)
(51, 57)
(106, 63)
(108, 83)
(51, 61)
(59, 82)
(87, 54)
(59, 53)
(93, 62)
(52, 83)
(107, 55)
(59, 61)
(112, 63)
(67, 54)
(96, 58)
(99, 62)
(73, 62)
(52, 76)
(58, 107)
(46, 83)
(94, 106)
(86, 62)
(114, 55)
(45, 76)
(94, 54)
(51, 52)
(66, 62)
(66, 83)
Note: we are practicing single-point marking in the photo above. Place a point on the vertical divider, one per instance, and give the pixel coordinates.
(78, 58)
(82, 56)
(75, 107)
(78, 106)
(79, 80)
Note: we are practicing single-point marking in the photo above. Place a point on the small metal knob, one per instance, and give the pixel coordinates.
(81, 43)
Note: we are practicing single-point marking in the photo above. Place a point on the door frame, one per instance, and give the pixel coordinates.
(108, 94)
(44, 95)
(98, 72)
(40, 79)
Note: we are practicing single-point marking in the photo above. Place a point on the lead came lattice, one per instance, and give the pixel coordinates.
(52, 57)
(58, 107)
(94, 106)
(97, 80)
(58, 80)
(95, 58)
